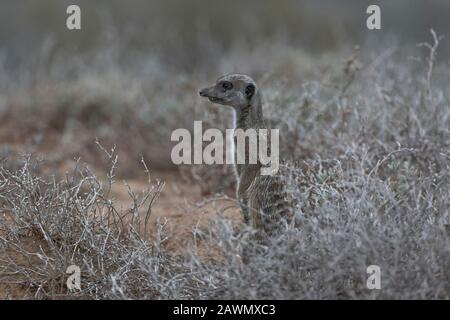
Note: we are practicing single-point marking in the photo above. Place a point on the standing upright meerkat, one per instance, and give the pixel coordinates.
(261, 197)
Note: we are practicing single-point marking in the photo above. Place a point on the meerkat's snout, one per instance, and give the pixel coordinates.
(209, 93)
(214, 95)
(203, 93)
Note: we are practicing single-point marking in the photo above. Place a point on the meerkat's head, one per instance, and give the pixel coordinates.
(235, 90)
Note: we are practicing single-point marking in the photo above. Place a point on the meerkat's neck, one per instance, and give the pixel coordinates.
(249, 115)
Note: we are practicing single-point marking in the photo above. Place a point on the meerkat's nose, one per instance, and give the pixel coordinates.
(202, 93)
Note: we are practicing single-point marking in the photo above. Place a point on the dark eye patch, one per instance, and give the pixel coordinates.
(227, 85)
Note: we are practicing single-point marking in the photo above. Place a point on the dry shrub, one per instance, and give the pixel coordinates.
(48, 225)
(367, 142)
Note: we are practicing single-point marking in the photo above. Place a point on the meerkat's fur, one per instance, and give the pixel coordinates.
(261, 197)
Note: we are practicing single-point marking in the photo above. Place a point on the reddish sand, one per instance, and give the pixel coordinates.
(180, 205)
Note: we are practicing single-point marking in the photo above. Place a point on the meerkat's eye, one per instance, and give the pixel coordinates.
(227, 85)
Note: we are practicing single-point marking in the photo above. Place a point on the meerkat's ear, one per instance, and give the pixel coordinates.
(249, 91)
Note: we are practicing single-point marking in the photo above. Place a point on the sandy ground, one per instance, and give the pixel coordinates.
(180, 206)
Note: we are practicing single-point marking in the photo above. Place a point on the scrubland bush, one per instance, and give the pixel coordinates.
(367, 146)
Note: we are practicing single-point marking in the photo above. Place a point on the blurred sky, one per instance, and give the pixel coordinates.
(170, 26)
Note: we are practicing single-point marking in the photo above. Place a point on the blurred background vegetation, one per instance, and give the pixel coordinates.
(364, 120)
(133, 72)
(177, 31)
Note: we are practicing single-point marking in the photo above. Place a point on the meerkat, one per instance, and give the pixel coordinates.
(261, 197)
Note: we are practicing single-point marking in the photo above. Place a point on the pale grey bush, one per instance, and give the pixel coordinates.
(48, 225)
(371, 179)
(368, 149)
